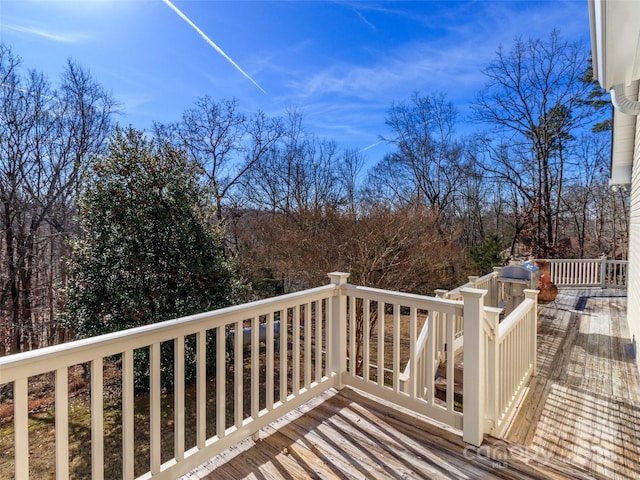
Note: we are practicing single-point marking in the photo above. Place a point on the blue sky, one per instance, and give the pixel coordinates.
(342, 63)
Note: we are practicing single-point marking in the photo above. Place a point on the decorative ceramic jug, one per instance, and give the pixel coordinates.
(548, 291)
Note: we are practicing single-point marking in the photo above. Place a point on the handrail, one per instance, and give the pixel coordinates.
(600, 272)
(307, 315)
(452, 307)
(514, 356)
(35, 362)
(486, 282)
(383, 341)
(511, 321)
(315, 329)
(316, 341)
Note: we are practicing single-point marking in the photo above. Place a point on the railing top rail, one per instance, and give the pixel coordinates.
(453, 307)
(458, 290)
(579, 260)
(479, 281)
(488, 276)
(512, 320)
(35, 362)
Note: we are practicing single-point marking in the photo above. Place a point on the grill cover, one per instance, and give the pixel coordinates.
(524, 271)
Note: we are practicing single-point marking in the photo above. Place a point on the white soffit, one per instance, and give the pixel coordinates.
(615, 40)
(622, 148)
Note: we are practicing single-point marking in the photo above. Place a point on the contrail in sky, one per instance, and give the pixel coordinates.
(12, 87)
(370, 146)
(24, 90)
(210, 42)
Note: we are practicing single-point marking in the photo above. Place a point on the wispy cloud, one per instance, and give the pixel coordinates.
(452, 62)
(211, 42)
(17, 89)
(54, 36)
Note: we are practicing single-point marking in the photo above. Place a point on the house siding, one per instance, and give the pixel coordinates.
(633, 292)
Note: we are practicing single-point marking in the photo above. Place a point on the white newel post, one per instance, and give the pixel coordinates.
(493, 368)
(603, 271)
(474, 374)
(533, 340)
(338, 328)
(495, 294)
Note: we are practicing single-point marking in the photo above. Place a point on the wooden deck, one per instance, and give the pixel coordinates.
(347, 435)
(580, 418)
(583, 407)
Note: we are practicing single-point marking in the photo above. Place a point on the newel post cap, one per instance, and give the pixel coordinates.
(338, 278)
(530, 294)
(473, 292)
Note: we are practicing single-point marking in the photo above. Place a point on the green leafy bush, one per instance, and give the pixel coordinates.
(146, 252)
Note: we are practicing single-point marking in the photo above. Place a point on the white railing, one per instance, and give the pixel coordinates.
(292, 348)
(488, 282)
(598, 272)
(310, 337)
(511, 358)
(392, 331)
(249, 393)
(508, 349)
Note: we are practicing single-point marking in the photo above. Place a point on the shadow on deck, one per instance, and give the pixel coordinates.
(580, 418)
(583, 407)
(348, 435)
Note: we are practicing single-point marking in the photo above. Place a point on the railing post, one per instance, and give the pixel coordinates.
(474, 374)
(473, 279)
(493, 368)
(438, 330)
(533, 295)
(603, 270)
(495, 295)
(440, 293)
(338, 328)
(21, 428)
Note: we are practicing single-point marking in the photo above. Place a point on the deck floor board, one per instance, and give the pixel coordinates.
(350, 435)
(582, 408)
(580, 418)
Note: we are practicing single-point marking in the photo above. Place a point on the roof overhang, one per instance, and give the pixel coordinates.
(615, 50)
(615, 41)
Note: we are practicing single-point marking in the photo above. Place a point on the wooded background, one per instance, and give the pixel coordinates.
(531, 179)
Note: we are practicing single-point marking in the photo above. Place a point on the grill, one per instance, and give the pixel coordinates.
(515, 278)
(525, 272)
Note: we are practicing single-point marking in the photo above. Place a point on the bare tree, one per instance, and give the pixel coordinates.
(427, 152)
(224, 142)
(300, 173)
(579, 201)
(536, 98)
(389, 185)
(349, 171)
(46, 138)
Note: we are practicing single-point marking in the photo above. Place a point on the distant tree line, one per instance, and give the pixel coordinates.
(48, 137)
(267, 207)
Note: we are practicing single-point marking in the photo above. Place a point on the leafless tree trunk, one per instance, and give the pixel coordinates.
(46, 138)
(422, 131)
(224, 143)
(536, 97)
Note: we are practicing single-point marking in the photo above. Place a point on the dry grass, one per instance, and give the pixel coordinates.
(42, 422)
(41, 409)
